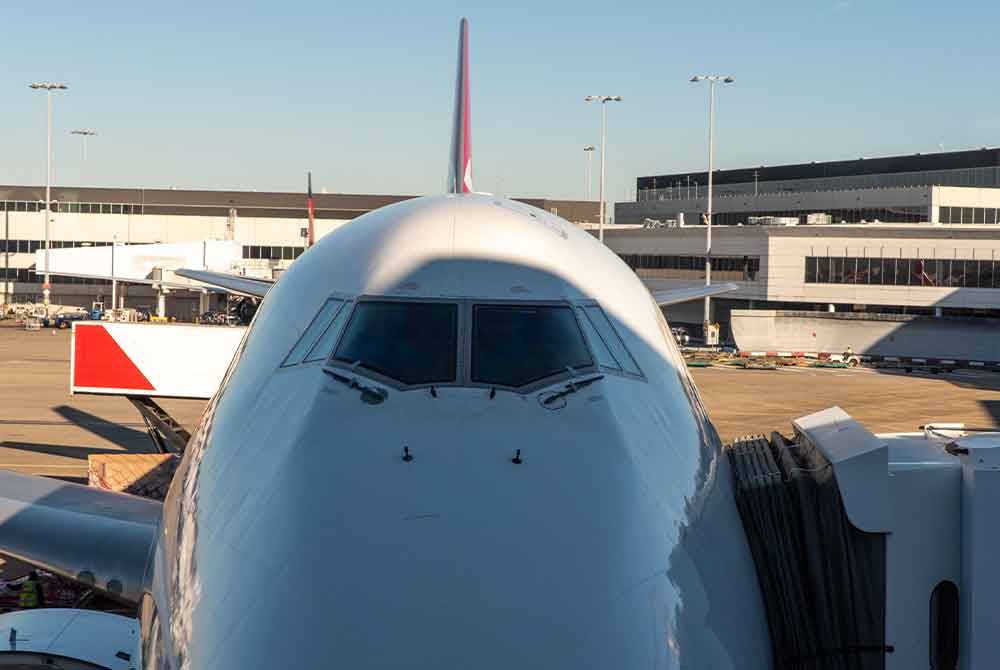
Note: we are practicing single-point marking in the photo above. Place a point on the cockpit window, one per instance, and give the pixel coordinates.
(319, 326)
(411, 342)
(515, 345)
(610, 340)
(324, 345)
(601, 351)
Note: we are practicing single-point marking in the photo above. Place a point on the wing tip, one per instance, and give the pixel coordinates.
(665, 297)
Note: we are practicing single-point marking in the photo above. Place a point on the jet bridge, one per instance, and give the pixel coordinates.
(145, 361)
(874, 551)
(153, 360)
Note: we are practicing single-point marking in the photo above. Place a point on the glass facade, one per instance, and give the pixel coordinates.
(272, 253)
(989, 177)
(938, 272)
(978, 168)
(31, 246)
(968, 215)
(71, 207)
(740, 268)
(28, 276)
(854, 215)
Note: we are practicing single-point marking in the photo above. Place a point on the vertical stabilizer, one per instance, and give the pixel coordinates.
(460, 162)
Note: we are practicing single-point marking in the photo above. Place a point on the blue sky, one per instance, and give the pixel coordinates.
(250, 95)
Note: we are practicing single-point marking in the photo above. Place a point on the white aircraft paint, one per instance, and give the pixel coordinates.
(614, 544)
(106, 640)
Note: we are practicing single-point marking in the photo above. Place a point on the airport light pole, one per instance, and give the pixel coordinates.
(48, 87)
(604, 100)
(114, 282)
(589, 150)
(84, 134)
(6, 257)
(712, 80)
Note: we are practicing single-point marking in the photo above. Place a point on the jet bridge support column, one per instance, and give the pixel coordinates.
(161, 302)
(980, 590)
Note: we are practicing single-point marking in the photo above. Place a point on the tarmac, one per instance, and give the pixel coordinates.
(45, 430)
(750, 402)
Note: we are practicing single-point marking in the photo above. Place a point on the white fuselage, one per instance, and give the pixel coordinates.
(296, 534)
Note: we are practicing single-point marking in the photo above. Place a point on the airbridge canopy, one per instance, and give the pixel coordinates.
(823, 579)
(141, 263)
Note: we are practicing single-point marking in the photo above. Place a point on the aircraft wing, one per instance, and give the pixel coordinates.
(138, 280)
(83, 533)
(674, 296)
(245, 286)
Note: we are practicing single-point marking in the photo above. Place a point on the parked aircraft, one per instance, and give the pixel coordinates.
(458, 433)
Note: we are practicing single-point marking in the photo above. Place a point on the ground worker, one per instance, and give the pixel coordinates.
(31, 592)
(849, 358)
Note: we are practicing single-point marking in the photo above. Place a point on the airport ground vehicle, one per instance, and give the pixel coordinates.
(850, 359)
(65, 319)
(218, 319)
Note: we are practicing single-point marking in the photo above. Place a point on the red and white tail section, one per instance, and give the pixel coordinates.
(174, 361)
(460, 163)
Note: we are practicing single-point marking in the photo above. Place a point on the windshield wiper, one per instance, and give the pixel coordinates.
(572, 387)
(371, 395)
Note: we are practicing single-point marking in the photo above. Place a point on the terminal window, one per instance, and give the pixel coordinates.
(13, 246)
(968, 215)
(740, 268)
(256, 252)
(70, 207)
(934, 272)
(28, 276)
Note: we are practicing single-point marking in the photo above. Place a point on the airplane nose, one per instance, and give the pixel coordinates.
(515, 536)
(462, 528)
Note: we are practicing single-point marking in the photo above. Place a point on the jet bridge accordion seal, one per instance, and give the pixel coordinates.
(822, 579)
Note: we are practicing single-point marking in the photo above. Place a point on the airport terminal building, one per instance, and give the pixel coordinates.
(881, 268)
(913, 234)
(270, 227)
(910, 234)
(897, 189)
